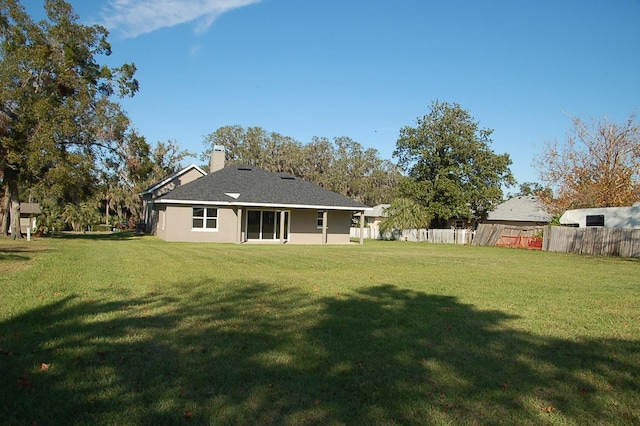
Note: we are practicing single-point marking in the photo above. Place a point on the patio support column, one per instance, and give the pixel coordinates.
(324, 227)
(282, 215)
(239, 227)
(362, 227)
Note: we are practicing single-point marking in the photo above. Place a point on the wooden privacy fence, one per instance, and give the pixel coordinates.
(624, 242)
(509, 236)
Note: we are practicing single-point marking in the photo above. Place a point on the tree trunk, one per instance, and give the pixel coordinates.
(6, 203)
(16, 232)
(14, 201)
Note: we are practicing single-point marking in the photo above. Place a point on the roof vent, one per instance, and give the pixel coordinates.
(287, 177)
(245, 168)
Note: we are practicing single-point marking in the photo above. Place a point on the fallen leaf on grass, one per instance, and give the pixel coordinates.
(549, 409)
(44, 367)
(187, 415)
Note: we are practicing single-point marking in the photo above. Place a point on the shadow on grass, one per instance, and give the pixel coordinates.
(257, 353)
(13, 256)
(97, 236)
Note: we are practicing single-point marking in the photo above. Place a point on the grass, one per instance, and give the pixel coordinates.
(122, 329)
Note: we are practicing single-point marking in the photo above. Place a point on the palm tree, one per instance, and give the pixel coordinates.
(404, 213)
(80, 216)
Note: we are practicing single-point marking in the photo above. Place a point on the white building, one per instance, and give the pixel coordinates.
(608, 217)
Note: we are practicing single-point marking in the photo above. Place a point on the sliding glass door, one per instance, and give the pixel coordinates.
(265, 224)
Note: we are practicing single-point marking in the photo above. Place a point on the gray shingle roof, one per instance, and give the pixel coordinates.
(522, 209)
(169, 178)
(255, 186)
(378, 211)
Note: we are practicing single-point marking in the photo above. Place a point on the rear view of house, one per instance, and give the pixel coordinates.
(238, 204)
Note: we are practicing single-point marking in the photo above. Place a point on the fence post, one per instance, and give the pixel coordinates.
(546, 237)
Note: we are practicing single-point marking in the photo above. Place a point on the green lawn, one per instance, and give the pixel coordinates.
(121, 329)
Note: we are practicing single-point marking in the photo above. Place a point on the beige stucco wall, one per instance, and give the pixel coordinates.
(148, 214)
(304, 227)
(174, 224)
(177, 181)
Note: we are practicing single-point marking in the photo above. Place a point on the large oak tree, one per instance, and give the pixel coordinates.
(56, 99)
(451, 169)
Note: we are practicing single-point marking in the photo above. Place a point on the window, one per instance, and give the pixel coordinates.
(320, 219)
(205, 218)
(595, 220)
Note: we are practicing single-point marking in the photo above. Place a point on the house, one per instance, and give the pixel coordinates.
(520, 211)
(373, 218)
(517, 222)
(461, 223)
(238, 204)
(28, 212)
(182, 177)
(608, 217)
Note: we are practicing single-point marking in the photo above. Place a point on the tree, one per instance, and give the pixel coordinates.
(137, 166)
(341, 165)
(166, 159)
(50, 219)
(533, 189)
(597, 166)
(56, 107)
(405, 213)
(255, 146)
(359, 173)
(451, 170)
(80, 216)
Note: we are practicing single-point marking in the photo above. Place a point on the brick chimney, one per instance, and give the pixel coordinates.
(217, 158)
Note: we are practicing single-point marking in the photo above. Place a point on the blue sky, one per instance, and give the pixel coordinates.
(366, 68)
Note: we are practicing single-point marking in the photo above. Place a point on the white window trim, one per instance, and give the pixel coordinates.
(320, 219)
(204, 219)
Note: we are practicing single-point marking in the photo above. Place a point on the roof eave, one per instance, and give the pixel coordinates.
(264, 205)
(170, 178)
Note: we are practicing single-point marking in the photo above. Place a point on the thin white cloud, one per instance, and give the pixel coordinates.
(135, 17)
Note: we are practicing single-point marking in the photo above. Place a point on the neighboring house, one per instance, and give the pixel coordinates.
(608, 217)
(461, 223)
(373, 218)
(28, 212)
(238, 204)
(182, 177)
(520, 211)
